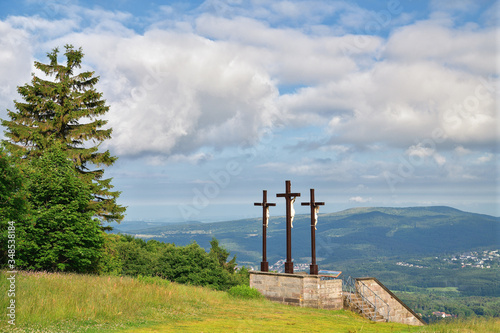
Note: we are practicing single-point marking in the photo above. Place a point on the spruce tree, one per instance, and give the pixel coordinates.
(66, 109)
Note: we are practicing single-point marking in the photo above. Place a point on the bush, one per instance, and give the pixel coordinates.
(190, 264)
(245, 292)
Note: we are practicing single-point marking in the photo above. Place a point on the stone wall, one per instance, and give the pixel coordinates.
(399, 312)
(298, 289)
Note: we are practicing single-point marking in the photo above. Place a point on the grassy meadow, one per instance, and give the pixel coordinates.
(47, 302)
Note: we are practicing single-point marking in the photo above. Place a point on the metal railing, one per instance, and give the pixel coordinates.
(371, 304)
(378, 303)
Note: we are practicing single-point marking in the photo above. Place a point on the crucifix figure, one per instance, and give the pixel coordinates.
(314, 220)
(289, 197)
(264, 265)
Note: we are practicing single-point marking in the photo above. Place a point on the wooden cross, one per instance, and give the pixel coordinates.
(264, 265)
(288, 197)
(314, 206)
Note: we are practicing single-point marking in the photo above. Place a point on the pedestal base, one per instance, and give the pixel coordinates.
(264, 266)
(299, 289)
(313, 269)
(289, 267)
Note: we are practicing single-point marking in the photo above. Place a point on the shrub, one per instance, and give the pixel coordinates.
(245, 292)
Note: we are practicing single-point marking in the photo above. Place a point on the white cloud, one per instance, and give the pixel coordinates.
(41, 27)
(174, 93)
(420, 151)
(399, 103)
(439, 159)
(289, 55)
(467, 48)
(16, 57)
(485, 158)
(359, 199)
(461, 151)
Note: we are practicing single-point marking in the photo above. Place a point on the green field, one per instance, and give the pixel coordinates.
(84, 303)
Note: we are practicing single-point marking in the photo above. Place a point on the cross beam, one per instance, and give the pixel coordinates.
(314, 205)
(264, 265)
(289, 196)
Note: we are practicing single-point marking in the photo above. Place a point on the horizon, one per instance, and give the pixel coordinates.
(371, 103)
(216, 219)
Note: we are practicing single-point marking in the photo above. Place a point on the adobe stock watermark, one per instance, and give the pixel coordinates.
(154, 78)
(11, 273)
(219, 179)
(325, 244)
(453, 117)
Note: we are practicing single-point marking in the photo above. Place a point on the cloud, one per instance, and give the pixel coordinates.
(467, 48)
(16, 51)
(288, 55)
(439, 159)
(420, 151)
(173, 93)
(397, 104)
(461, 151)
(301, 15)
(41, 27)
(485, 158)
(359, 199)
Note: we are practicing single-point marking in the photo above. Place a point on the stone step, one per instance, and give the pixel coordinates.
(364, 308)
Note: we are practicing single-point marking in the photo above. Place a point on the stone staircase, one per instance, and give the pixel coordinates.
(370, 298)
(355, 303)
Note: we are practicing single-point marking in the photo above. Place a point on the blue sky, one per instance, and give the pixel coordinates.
(372, 103)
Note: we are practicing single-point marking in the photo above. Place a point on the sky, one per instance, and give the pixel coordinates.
(371, 103)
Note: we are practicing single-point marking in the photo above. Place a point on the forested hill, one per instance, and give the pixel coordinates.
(357, 233)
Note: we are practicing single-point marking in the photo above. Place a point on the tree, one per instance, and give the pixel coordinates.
(61, 233)
(66, 111)
(13, 204)
(220, 254)
(191, 264)
(12, 196)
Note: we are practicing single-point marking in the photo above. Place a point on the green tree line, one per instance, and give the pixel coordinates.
(462, 307)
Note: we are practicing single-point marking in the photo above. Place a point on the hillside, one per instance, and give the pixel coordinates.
(83, 303)
(358, 233)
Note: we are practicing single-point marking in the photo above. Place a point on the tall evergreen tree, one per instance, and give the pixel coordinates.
(66, 110)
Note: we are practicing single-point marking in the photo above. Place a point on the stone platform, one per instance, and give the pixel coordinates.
(299, 289)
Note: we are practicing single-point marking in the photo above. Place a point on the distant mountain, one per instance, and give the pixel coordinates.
(357, 233)
(126, 226)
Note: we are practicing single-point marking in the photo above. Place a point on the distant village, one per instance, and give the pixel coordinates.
(485, 259)
(279, 266)
(474, 259)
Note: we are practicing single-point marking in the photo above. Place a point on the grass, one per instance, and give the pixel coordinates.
(83, 303)
(472, 325)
